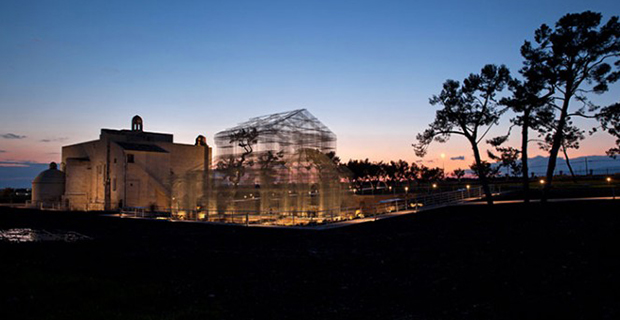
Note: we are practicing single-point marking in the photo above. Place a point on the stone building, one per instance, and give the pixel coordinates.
(134, 168)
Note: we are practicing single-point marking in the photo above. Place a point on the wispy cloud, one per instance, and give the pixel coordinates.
(14, 164)
(2, 151)
(12, 136)
(54, 139)
(458, 158)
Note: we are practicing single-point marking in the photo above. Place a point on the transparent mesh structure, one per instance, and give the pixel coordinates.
(277, 169)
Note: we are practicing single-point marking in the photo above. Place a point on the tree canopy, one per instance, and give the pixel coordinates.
(470, 110)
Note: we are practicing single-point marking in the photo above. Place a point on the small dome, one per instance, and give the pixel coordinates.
(51, 175)
(136, 123)
(48, 186)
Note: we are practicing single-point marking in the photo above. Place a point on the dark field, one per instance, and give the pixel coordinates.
(556, 261)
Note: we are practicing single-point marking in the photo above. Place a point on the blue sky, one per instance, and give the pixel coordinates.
(364, 68)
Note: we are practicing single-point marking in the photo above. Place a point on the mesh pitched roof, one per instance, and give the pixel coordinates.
(284, 131)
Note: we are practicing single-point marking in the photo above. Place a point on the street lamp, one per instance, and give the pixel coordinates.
(443, 165)
(613, 190)
(406, 197)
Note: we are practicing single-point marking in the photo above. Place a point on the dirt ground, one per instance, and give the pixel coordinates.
(553, 261)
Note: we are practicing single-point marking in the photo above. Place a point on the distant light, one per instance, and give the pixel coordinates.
(467, 186)
(406, 189)
(608, 179)
(434, 185)
(542, 181)
(443, 155)
(391, 187)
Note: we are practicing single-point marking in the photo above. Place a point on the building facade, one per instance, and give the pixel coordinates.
(135, 169)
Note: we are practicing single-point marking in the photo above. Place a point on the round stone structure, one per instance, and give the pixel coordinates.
(48, 186)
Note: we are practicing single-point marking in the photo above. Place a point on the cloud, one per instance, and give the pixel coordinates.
(458, 158)
(12, 136)
(2, 151)
(16, 163)
(54, 139)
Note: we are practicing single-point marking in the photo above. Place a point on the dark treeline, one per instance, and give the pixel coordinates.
(394, 176)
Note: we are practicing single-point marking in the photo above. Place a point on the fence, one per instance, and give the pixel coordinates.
(413, 202)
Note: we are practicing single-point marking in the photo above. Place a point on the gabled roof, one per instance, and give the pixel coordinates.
(296, 120)
(141, 147)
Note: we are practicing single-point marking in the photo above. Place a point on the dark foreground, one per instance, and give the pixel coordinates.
(560, 261)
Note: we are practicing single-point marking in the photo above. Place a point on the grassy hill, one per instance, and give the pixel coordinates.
(559, 260)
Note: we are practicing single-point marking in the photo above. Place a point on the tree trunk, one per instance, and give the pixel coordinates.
(482, 175)
(558, 138)
(524, 141)
(570, 168)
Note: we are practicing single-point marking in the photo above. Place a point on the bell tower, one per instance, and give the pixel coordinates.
(136, 124)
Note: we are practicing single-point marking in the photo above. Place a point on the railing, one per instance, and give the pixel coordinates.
(409, 203)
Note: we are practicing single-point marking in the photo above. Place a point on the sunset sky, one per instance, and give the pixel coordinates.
(366, 69)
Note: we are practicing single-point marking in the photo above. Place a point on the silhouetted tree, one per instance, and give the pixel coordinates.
(413, 174)
(469, 110)
(332, 155)
(484, 169)
(269, 162)
(365, 171)
(427, 174)
(389, 172)
(570, 140)
(609, 118)
(573, 56)
(401, 169)
(530, 102)
(396, 172)
(458, 174)
(233, 167)
(507, 157)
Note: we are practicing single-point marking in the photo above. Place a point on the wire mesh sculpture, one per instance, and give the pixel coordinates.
(278, 166)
